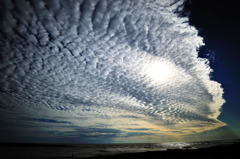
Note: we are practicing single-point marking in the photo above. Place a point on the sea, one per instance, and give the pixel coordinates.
(95, 150)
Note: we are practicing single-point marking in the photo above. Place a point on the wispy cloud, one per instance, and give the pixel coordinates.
(47, 120)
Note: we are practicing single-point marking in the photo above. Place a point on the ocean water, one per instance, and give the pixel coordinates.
(93, 150)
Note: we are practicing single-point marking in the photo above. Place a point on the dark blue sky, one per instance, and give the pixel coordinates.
(218, 23)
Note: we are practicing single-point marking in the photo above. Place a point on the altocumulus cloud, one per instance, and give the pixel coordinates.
(110, 64)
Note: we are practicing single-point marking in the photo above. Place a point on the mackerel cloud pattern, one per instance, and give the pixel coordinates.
(88, 64)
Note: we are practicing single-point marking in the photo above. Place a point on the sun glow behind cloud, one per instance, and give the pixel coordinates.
(130, 67)
(159, 72)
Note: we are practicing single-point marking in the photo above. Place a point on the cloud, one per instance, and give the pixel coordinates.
(91, 59)
(47, 120)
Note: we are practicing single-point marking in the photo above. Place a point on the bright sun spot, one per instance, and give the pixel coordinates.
(159, 71)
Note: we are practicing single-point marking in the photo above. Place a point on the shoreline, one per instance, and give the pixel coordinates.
(207, 149)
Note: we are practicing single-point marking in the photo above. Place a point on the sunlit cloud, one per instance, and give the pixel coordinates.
(114, 64)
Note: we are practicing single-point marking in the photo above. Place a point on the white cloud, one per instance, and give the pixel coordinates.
(89, 59)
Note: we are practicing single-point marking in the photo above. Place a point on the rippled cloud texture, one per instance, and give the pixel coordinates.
(104, 68)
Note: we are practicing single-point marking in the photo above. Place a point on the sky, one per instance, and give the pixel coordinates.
(218, 24)
(117, 71)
